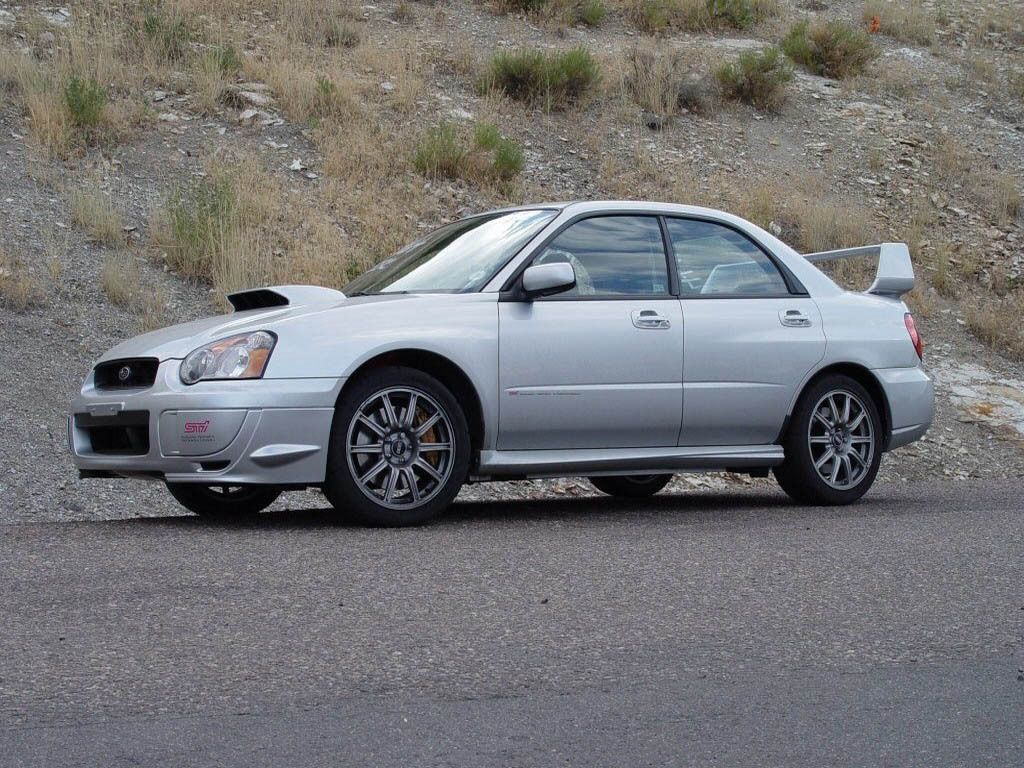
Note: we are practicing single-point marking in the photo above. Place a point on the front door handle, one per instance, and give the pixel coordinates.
(794, 318)
(648, 319)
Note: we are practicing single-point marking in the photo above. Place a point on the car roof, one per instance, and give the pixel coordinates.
(596, 206)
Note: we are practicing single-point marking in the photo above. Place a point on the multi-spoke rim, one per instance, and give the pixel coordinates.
(400, 447)
(841, 439)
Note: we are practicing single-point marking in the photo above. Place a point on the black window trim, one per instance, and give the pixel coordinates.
(512, 289)
(793, 284)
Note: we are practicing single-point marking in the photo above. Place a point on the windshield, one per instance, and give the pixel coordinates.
(457, 258)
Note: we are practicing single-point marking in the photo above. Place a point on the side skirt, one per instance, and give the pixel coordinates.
(621, 461)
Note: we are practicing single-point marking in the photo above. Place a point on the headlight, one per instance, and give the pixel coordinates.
(236, 357)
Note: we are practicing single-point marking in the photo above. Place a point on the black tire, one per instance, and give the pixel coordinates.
(797, 474)
(224, 502)
(630, 486)
(352, 499)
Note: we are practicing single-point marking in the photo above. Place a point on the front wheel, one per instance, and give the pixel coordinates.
(399, 448)
(224, 501)
(631, 486)
(833, 444)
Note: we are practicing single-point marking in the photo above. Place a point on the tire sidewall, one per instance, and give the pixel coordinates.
(797, 474)
(195, 498)
(630, 486)
(343, 490)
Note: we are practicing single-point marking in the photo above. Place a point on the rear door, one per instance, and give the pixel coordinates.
(599, 366)
(749, 339)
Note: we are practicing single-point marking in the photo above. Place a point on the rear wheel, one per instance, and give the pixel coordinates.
(833, 444)
(631, 486)
(399, 449)
(224, 501)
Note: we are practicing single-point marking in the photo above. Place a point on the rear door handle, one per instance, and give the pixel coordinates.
(648, 319)
(794, 318)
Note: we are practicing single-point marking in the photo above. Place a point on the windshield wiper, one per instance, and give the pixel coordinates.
(376, 293)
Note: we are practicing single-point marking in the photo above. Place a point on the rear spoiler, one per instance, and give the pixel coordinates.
(894, 275)
(283, 296)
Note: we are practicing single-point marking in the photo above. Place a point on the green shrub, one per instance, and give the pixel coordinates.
(508, 160)
(521, 6)
(225, 58)
(652, 16)
(441, 153)
(341, 34)
(486, 136)
(738, 14)
(758, 78)
(168, 33)
(196, 225)
(591, 12)
(832, 48)
(553, 80)
(86, 100)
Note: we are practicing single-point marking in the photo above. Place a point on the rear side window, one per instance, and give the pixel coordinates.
(715, 260)
(612, 256)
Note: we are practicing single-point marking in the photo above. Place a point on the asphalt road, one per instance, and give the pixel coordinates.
(689, 630)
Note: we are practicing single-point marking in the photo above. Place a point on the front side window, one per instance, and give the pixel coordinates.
(459, 257)
(715, 260)
(612, 256)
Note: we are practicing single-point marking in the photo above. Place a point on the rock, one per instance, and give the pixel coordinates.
(168, 117)
(256, 98)
(654, 121)
(7, 19)
(59, 17)
(296, 165)
(387, 86)
(460, 114)
(158, 96)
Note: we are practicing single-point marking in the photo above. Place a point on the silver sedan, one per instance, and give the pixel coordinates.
(622, 341)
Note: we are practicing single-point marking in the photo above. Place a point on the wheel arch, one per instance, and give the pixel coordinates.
(444, 370)
(862, 376)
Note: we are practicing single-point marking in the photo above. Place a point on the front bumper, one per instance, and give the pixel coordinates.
(911, 398)
(273, 431)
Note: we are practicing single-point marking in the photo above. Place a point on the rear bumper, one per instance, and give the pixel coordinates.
(911, 398)
(272, 431)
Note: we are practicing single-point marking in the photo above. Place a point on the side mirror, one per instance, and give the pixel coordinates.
(548, 279)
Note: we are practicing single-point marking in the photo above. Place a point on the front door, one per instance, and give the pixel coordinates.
(600, 365)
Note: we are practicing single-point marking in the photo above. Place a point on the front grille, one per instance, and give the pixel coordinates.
(126, 434)
(127, 374)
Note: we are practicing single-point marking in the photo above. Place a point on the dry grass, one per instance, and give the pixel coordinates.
(152, 310)
(654, 77)
(49, 122)
(19, 287)
(1003, 23)
(211, 230)
(656, 16)
(96, 214)
(906, 20)
(121, 280)
(996, 323)
(322, 23)
(995, 191)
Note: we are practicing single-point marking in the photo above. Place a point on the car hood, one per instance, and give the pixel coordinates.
(176, 341)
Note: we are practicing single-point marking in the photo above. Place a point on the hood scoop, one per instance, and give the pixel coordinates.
(283, 296)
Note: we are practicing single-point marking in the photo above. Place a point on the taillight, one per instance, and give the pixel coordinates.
(915, 337)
